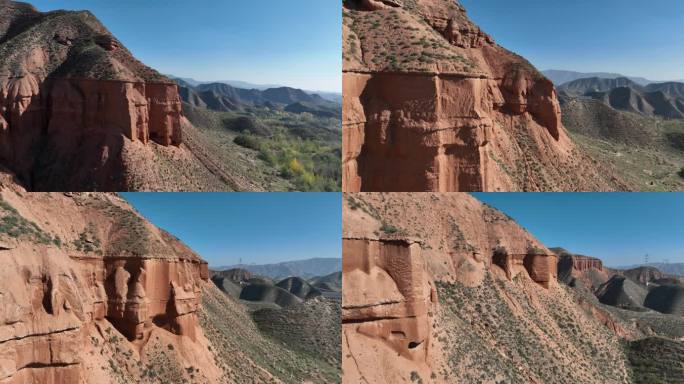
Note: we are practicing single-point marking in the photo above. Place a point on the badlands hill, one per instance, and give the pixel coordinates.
(292, 311)
(442, 288)
(91, 292)
(665, 100)
(637, 130)
(432, 103)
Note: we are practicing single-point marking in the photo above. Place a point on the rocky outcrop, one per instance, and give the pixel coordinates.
(385, 301)
(440, 288)
(86, 268)
(541, 267)
(583, 263)
(643, 275)
(621, 292)
(666, 298)
(71, 96)
(445, 108)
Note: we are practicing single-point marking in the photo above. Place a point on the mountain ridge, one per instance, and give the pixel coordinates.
(328, 95)
(308, 268)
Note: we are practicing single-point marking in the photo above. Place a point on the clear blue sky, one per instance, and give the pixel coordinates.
(632, 37)
(290, 42)
(619, 228)
(257, 227)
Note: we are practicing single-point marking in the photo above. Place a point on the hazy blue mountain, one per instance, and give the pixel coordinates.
(656, 99)
(331, 96)
(301, 268)
(559, 77)
(667, 268)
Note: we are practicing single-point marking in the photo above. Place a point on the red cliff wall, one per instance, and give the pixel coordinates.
(386, 298)
(82, 118)
(462, 118)
(583, 263)
(55, 301)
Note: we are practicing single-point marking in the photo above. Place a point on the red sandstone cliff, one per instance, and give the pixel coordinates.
(442, 288)
(432, 103)
(76, 108)
(88, 288)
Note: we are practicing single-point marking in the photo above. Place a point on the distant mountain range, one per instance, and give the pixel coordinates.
(559, 77)
(331, 96)
(302, 268)
(665, 100)
(223, 97)
(667, 268)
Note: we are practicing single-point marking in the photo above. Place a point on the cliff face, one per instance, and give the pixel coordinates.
(432, 103)
(386, 298)
(442, 288)
(69, 90)
(89, 288)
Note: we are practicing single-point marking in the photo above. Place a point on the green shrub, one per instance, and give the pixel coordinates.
(389, 228)
(248, 141)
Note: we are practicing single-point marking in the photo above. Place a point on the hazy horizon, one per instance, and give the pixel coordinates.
(630, 37)
(260, 228)
(618, 228)
(277, 262)
(258, 41)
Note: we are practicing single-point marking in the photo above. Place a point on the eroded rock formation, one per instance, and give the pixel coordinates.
(439, 288)
(386, 300)
(583, 263)
(432, 103)
(541, 267)
(72, 97)
(81, 270)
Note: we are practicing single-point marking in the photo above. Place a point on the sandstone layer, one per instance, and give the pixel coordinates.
(439, 288)
(432, 103)
(88, 288)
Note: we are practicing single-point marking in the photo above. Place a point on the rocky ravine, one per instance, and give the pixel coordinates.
(439, 287)
(79, 113)
(432, 103)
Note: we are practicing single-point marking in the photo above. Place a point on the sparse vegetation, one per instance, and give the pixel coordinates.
(389, 228)
(15, 225)
(289, 151)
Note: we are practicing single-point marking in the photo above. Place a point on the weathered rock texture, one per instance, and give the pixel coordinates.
(87, 282)
(439, 288)
(581, 271)
(79, 113)
(583, 263)
(386, 299)
(432, 103)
